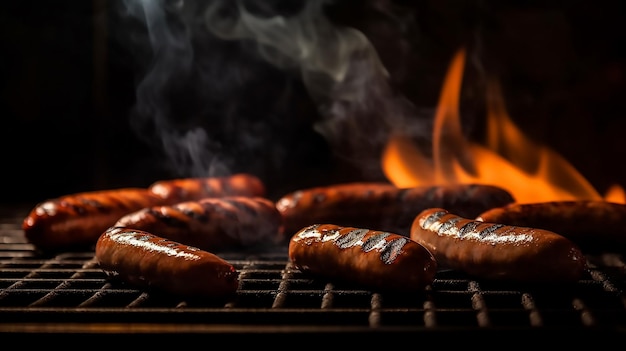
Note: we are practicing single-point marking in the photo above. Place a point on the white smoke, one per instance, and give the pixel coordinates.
(338, 65)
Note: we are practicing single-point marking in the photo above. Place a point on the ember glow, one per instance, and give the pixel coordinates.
(531, 172)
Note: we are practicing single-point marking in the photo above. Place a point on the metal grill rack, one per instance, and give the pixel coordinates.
(67, 293)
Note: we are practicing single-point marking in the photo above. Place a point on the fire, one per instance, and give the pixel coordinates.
(531, 172)
(615, 193)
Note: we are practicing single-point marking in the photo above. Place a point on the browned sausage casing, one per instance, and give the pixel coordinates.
(379, 260)
(212, 224)
(382, 206)
(186, 189)
(497, 251)
(146, 260)
(593, 225)
(77, 220)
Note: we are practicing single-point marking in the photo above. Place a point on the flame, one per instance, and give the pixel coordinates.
(531, 172)
(615, 193)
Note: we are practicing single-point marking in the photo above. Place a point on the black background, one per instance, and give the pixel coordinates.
(69, 76)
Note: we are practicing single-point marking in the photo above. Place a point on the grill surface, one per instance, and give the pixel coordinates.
(67, 293)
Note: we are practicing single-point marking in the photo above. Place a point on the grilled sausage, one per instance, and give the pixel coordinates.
(77, 220)
(148, 261)
(187, 189)
(379, 260)
(382, 206)
(594, 225)
(497, 251)
(212, 224)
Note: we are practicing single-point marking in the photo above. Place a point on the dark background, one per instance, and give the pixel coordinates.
(70, 71)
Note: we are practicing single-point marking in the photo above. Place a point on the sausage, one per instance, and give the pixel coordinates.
(382, 206)
(148, 261)
(497, 251)
(374, 259)
(186, 189)
(77, 220)
(594, 225)
(348, 204)
(212, 224)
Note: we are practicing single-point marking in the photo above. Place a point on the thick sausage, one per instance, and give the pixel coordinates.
(187, 189)
(382, 206)
(77, 220)
(148, 261)
(497, 251)
(374, 259)
(212, 224)
(593, 225)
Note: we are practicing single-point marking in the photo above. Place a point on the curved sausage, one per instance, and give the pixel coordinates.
(497, 251)
(382, 206)
(379, 260)
(186, 189)
(593, 225)
(77, 220)
(212, 224)
(148, 261)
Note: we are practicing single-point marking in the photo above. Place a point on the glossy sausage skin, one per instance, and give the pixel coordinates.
(374, 259)
(148, 261)
(187, 189)
(382, 206)
(77, 220)
(212, 224)
(497, 251)
(593, 225)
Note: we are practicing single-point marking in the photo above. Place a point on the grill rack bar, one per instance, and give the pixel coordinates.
(68, 293)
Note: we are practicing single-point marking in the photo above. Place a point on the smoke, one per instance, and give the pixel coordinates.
(340, 68)
(172, 58)
(204, 55)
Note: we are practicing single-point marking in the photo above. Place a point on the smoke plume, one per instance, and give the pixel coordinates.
(229, 78)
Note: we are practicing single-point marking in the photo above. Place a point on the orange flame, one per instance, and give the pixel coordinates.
(615, 193)
(529, 171)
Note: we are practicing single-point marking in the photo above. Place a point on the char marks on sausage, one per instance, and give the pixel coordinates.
(595, 225)
(373, 259)
(497, 251)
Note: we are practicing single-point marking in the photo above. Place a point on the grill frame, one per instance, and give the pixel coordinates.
(66, 293)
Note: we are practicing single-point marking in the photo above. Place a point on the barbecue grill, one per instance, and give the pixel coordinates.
(69, 94)
(66, 294)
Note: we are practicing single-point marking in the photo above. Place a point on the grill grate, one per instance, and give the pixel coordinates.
(68, 293)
